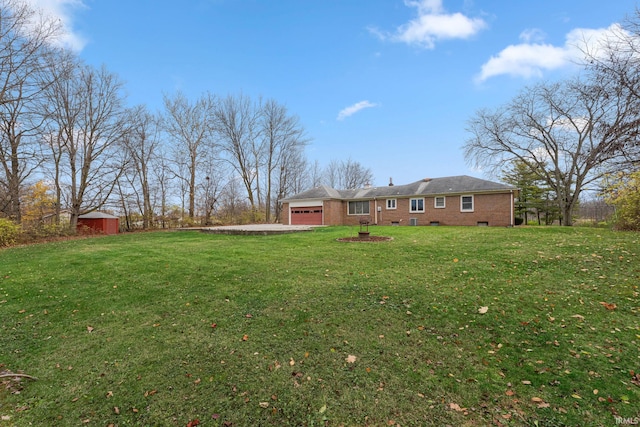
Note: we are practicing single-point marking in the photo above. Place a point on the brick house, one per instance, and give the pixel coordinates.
(456, 200)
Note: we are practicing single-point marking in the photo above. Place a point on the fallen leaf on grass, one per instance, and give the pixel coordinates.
(578, 316)
(245, 337)
(351, 359)
(635, 378)
(90, 329)
(483, 310)
(456, 407)
(608, 305)
(264, 404)
(193, 423)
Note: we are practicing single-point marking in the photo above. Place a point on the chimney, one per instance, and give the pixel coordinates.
(390, 182)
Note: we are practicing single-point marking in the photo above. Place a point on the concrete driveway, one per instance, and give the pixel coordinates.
(260, 229)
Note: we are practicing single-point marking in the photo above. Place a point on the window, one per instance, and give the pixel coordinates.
(359, 208)
(439, 203)
(416, 205)
(466, 203)
(391, 203)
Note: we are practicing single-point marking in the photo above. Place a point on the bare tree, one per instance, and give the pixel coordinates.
(161, 171)
(292, 177)
(189, 125)
(347, 174)
(237, 127)
(565, 131)
(25, 45)
(282, 137)
(142, 146)
(88, 123)
(613, 65)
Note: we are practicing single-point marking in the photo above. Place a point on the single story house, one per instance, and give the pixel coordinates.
(456, 200)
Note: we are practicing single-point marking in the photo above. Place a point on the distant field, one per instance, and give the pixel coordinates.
(439, 326)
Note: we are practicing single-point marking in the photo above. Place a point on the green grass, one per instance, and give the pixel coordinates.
(118, 330)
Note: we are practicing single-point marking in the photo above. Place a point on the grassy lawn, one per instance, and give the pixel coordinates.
(440, 326)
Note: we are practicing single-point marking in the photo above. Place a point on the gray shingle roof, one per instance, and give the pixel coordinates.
(425, 187)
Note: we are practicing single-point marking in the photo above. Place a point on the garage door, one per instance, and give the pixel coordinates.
(311, 215)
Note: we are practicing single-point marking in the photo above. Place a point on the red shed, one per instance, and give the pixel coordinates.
(99, 222)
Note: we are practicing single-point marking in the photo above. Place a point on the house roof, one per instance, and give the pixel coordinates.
(97, 215)
(425, 187)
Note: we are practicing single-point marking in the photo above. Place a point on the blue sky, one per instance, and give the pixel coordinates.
(388, 83)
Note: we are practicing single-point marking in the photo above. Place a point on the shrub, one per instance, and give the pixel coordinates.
(9, 231)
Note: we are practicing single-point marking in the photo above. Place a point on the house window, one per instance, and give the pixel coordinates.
(391, 203)
(439, 203)
(466, 203)
(359, 208)
(416, 205)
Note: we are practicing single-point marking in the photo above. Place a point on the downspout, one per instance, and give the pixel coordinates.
(375, 209)
(512, 208)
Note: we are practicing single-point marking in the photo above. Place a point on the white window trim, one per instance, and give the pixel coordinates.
(368, 202)
(473, 203)
(435, 202)
(416, 211)
(395, 204)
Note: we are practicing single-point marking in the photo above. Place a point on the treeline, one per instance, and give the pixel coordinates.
(70, 144)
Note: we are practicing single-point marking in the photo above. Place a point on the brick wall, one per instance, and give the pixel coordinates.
(284, 214)
(493, 209)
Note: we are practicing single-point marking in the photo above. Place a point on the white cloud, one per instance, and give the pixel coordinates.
(63, 11)
(533, 57)
(432, 24)
(352, 109)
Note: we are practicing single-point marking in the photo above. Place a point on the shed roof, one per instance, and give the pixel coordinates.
(97, 215)
(425, 187)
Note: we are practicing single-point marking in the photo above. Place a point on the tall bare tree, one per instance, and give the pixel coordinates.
(567, 131)
(88, 123)
(237, 127)
(141, 144)
(282, 136)
(26, 38)
(190, 127)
